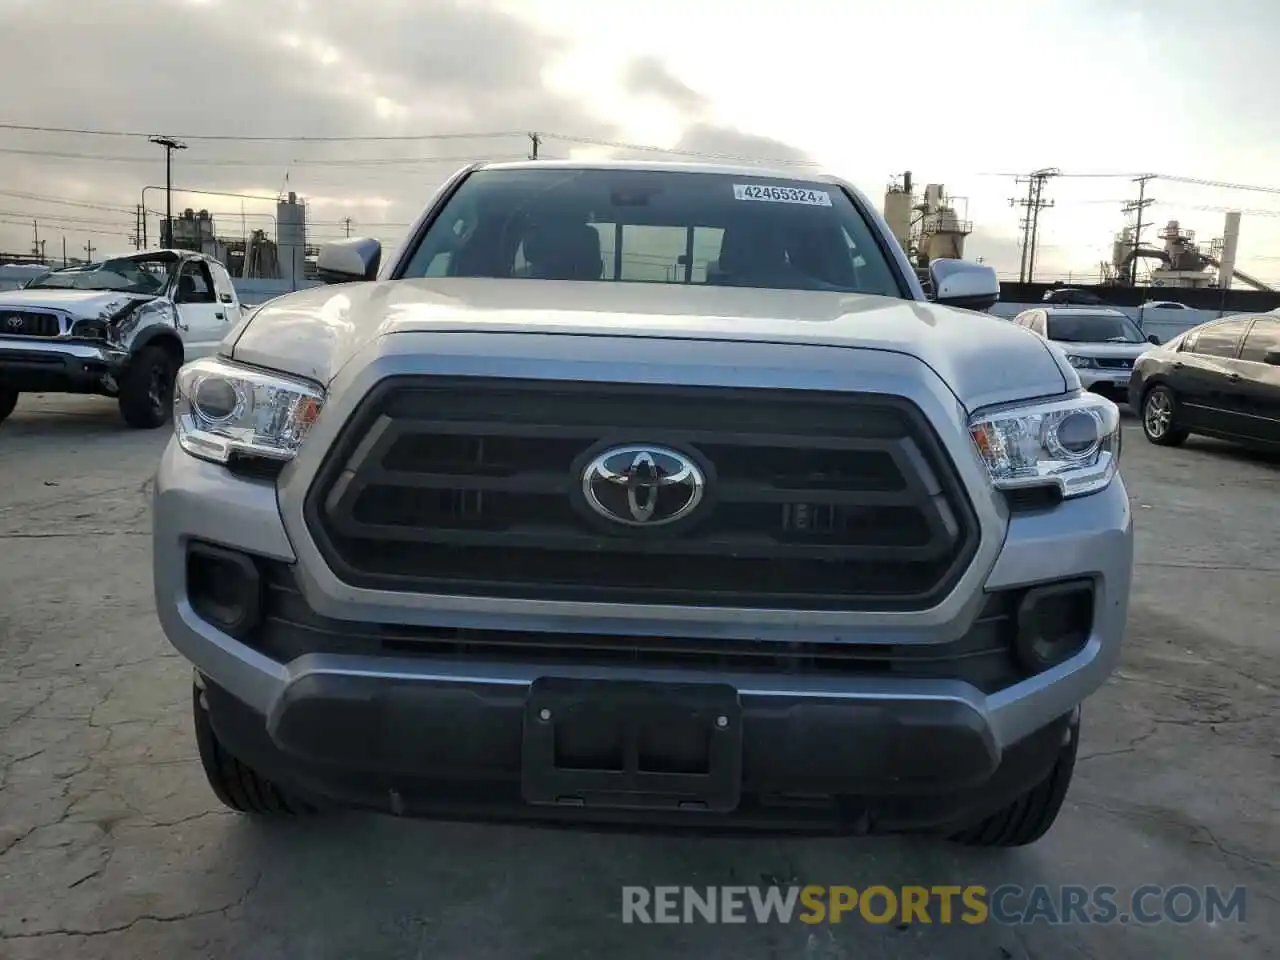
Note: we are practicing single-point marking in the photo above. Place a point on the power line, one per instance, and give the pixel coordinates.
(1221, 184)
(81, 204)
(239, 162)
(1084, 176)
(74, 229)
(56, 218)
(239, 138)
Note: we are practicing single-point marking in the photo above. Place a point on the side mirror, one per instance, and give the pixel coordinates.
(1272, 357)
(960, 283)
(225, 297)
(344, 261)
(1152, 338)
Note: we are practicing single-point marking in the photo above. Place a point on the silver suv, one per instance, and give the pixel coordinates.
(653, 494)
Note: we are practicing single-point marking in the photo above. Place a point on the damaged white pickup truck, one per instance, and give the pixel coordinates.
(118, 327)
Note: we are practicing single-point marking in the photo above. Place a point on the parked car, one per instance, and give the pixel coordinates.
(644, 493)
(1220, 379)
(118, 327)
(1101, 344)
(1163, 305)
(1073, 296)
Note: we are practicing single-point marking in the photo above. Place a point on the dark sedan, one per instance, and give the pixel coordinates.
(1220, 379)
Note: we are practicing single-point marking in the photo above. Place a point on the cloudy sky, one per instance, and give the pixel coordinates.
(966, 94)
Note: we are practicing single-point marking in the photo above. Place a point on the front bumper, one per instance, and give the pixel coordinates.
(54, 366)
(901, 753)
(1112, 384)
(409, 722)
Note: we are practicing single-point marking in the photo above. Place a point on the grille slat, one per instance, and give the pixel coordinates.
(472, 486)
(983, 656)
(29, 323)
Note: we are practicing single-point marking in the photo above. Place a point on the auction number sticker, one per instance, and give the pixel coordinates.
(755, 191)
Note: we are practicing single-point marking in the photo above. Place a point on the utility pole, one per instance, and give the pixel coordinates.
(347, 223)
(139, 226)
(88, 249)
(536, 141)
(64, 250)
(1025, 223)
(1030, 223)
(1136, 207)
(169, 145)
(35, 242)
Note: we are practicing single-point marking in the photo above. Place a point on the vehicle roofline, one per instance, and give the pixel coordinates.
(802, 171)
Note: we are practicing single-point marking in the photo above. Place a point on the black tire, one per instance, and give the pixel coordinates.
(1159, 417)
(238, 786)
(1029, 817)
(8, 400)
(146, 389)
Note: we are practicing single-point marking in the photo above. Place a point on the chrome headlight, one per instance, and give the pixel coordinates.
(1082, 363)
(223, 410)
(1074, 443)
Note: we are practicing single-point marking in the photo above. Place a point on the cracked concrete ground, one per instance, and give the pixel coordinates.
(111, 845)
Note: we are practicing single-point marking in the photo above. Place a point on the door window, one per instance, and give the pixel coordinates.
(1218, 339)
(195, 285)
(222, 283)
(1264, 336)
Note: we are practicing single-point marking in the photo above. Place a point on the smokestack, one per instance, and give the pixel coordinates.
(1230, 241)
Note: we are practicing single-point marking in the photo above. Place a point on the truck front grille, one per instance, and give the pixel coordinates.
(816, 500)
(28, 323)
(984, 656)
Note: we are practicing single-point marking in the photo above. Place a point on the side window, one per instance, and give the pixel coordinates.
(195, 285)
(1036, 323)
(1264, 336)
(222, 285)
(1218, 339)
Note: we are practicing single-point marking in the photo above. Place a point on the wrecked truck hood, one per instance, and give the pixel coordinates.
(81, 304)
(984, 359)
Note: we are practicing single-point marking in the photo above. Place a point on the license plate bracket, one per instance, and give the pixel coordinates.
(632, 745)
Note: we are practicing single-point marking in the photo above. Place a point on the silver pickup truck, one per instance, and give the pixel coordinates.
(652, 494)
(118, 327)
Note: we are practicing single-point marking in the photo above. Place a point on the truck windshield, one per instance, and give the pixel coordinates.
(1094, 328)
(125, 274)
(655, 226)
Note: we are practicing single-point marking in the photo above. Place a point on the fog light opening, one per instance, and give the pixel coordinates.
(224, 588)
(1054, 623)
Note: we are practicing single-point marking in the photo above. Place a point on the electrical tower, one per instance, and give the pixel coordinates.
(536, 142)
(1032, 204)
(1136, 207)
(346, 222)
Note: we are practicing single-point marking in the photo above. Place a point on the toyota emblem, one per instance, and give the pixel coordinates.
(643, 485)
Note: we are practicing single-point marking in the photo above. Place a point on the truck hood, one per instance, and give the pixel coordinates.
(82, 304)
(983, 359)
